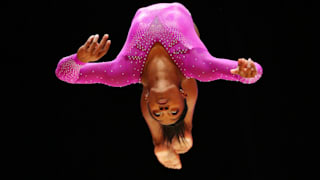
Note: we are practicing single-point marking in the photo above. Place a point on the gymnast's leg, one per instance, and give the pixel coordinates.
(184, 145)
(167, 156)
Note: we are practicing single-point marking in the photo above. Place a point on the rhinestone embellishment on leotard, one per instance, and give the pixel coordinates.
(68, 70)
(149, 34)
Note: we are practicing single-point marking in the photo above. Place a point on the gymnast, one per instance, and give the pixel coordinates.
(164, 53)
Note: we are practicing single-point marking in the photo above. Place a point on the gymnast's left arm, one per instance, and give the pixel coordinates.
(209, 68)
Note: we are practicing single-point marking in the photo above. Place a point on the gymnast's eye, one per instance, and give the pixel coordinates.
(174, 112)
(157, 114)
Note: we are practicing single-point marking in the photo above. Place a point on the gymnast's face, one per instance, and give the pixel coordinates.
(166, 104)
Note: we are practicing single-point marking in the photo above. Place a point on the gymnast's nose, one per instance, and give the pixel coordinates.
(162, 101)
(163, 108)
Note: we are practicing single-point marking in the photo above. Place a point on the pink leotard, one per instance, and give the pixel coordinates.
(171, 25)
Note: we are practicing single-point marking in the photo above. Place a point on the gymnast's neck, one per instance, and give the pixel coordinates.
(160, 71)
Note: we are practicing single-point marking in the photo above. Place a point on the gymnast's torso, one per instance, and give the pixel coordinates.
(167, 24)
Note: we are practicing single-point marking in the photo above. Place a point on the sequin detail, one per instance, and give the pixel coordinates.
(68, 70)
(157, 32)
(172, 26)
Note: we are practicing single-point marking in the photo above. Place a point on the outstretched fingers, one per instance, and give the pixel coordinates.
(105, 48)
(89, 41)
(95, 48)
(101, 44)
(94, 44)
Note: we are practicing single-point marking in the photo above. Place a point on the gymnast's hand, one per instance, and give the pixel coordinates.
(92, 50)
(246, 68)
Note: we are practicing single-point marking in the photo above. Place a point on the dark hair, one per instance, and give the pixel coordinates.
(177, 129)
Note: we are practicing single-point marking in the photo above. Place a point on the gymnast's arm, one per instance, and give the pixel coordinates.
(205, 67)
(79, 69)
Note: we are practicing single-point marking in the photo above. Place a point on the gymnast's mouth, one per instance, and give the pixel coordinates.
(163, 101)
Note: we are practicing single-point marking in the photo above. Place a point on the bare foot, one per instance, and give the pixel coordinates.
(183, 146)
(167, 157)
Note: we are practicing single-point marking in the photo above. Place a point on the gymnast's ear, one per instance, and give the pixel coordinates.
(184, 94)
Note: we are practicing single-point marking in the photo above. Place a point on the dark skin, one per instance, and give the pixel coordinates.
(161, 80)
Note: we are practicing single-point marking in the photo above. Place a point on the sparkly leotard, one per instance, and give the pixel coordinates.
(171, 25)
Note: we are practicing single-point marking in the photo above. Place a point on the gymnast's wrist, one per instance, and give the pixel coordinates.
(77, 60)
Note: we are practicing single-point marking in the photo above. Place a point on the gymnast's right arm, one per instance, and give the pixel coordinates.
(77, 69)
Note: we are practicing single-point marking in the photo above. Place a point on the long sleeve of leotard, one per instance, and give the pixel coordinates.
(205, 67)
(70, 69)
(172, 26)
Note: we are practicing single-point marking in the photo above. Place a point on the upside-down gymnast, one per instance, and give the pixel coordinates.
(164, 53)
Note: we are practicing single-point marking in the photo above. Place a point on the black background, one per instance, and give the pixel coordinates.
(97, 132)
